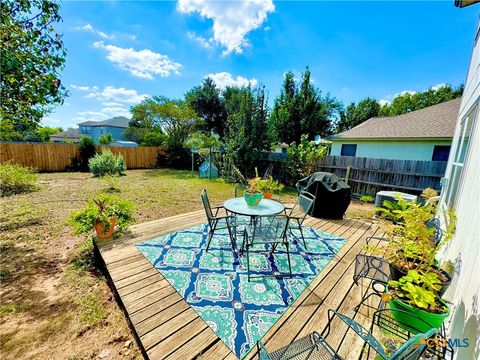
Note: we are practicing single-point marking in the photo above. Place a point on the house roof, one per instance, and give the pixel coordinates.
(437, 121)
(67, 134)
(118, 121)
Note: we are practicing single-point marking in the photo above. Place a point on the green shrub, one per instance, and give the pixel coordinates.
(15, 179)
(367, 199)
(87, 150)
(107, 163)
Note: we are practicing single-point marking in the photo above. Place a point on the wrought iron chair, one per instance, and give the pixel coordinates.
(409, 350)
(372, 268)
(214, 219)
(312, 346)
(298, 213)
(266, 230)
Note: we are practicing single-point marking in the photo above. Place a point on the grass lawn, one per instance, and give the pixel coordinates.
(54, 303)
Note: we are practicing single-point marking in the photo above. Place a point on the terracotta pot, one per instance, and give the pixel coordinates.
(267, 194)
(100, 229)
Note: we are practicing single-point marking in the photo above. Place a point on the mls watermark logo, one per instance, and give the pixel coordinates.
(443, 343)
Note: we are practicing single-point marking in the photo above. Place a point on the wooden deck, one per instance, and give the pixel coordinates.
(167, 328)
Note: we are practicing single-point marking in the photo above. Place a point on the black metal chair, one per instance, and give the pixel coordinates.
(298, 213)
(266, 230)
(214, 219)
(312, 346)
(373, 268)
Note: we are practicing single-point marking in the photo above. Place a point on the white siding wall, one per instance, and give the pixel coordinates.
(464, 249)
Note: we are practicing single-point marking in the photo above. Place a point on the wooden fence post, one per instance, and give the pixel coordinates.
(347, 175)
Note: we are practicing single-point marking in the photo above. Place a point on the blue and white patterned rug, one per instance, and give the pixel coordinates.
(215, 283)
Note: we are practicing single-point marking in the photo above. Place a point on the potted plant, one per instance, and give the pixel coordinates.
(252, 194)
(416, 297)
(269, 186)
(104, 214)
(412, 243)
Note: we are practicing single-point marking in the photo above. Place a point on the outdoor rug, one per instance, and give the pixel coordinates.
(215, 283)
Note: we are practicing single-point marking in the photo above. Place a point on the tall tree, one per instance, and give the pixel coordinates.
(301, 109)
(206, 100)
(32, 56)
(247, 136)
(354, 115)
(285, 118)
(408, 101)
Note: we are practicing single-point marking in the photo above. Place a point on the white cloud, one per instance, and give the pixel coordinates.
(224, 79)
(207, 44)
(112, 96)
(438, 86)
(404, 92)
(232, 20)
(143, 63)
(84, 88)
(267, 28)
(383, 102)
(91, 29)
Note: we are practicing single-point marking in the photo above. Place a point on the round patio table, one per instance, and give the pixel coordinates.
(266, 207)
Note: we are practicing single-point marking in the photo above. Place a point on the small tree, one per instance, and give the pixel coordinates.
(302, 158)
(86, 149)
(204, 144)
(105, 139)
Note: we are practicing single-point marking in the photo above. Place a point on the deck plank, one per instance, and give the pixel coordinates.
(167, 327)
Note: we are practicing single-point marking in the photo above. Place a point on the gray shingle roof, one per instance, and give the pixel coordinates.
(118, 121)
(437, 121)
(68, 134)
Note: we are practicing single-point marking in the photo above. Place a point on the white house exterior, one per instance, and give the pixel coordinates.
(461, 190)
(424, 134)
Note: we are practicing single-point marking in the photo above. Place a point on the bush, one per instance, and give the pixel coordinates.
(107, 163)
(87, 150)
(366, 198)
(15, 179)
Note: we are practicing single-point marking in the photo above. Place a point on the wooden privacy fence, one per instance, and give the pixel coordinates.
(58, 157)
(367, 176)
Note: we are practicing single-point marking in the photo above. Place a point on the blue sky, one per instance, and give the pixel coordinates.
(122, 51)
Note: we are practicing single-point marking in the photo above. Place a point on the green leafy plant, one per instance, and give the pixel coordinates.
(105, 139)
(419, 290)
(411, 240)
(366, 199)
(101, 210)
(107, 163)
(269, 184)
(302, 158)
(16, 179)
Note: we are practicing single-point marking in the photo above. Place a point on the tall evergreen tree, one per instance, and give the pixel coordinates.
(301, 109)
(354, 114)
(206, 100)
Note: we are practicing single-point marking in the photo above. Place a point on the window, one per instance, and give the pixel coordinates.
(86, 129)
(460, 152)
(441, 152)
(348, 149)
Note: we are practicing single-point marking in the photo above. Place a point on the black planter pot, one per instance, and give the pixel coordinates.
(396, 274)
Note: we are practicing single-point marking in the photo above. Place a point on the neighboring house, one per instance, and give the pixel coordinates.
(67, 136)
(461, 190)
(115, 126)
(424, 134)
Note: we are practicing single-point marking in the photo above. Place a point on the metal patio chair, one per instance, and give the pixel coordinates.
(409, 350)
(373, 268)
(312, 346)
(298, 213)
(214, 219)
(266, 230)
